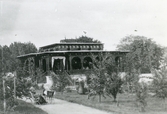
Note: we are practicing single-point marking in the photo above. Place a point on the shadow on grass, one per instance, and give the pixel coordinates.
(24, 108)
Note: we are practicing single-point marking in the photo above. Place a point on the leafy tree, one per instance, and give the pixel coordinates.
(144, 56)
(61, 80)
(6, 58)
(23, 88)
(97, 77)
(18, 48)
(144, 53)
(125, 43)
(141, 95)
(164, 62)
(113, 85)
(8, 55)
(81, 39)
(160, 82)
(113, 78)
(104, 78)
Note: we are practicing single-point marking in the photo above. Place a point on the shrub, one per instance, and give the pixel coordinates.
(160, 82)
(141, 95)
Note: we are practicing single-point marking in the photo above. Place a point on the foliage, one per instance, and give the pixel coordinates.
(23, 88)
(10, 63)
(39, 76)
(97, 77)
(81, 39)
(104, 78)
(125, 43)
(144, 53)
(8, 55)
(141, 95)
(61, 80)
(9, 94)
(160, 82)
(113, 85)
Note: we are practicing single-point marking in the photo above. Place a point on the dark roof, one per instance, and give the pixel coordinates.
(69, 51)
(67, 44)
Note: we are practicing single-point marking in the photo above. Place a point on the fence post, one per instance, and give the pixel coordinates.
(15, 75)
(4, 95)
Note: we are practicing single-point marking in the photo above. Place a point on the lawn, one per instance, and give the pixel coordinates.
(126, 103)
(23, 108)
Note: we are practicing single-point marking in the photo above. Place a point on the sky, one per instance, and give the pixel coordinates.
(45, 22)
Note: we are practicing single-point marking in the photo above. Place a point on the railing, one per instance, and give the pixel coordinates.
(69, 77)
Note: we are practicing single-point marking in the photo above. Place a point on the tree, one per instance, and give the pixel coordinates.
(144, 53)
(104, 78)
(8, 55)
(160, 82)
(125, 43)
(6, 58)
(144, 56)
(61, 80)
(18, 48)
(8, 91)
(81, 39)
(113, 79)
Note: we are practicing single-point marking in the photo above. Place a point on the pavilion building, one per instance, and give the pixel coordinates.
(74, 58)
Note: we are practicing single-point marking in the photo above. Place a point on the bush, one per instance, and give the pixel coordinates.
(141, 95)
(160, 82)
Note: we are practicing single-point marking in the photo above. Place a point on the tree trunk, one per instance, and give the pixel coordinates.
(99, 98)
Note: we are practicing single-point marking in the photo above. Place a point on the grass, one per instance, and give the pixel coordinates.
(23, 108)
(126, 103)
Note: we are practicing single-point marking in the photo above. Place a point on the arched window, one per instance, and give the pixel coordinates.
(76, 63)
(87, 63)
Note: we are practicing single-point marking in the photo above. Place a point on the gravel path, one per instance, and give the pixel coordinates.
(63, 107)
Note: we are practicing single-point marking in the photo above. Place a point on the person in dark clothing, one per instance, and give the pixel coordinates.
(41, 100)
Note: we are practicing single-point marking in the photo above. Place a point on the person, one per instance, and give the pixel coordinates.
(41, 100)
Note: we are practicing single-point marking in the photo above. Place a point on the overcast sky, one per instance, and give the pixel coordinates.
(44, 22)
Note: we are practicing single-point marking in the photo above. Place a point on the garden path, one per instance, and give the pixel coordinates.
(58, 106)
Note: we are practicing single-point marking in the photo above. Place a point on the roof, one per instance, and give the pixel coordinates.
(67, 44)
(69, 51)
